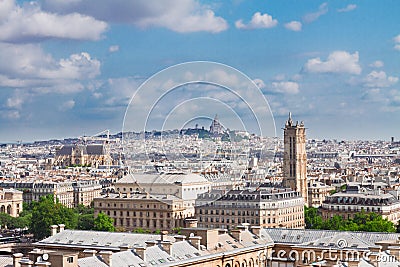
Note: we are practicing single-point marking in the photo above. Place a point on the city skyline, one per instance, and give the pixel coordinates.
(69, 69)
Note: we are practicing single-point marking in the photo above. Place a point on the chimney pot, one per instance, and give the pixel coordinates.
(16, 258)
(107, 257)
(89, 253)
(26, 263)
(61, 227)
(166, 245)
(195, 241)
(163, 234)
(124, 247)
(53, 229)
(141, 252)
(179, 238)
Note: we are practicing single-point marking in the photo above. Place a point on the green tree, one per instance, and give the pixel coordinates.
(46, 212)
(104, 223)
(312, 219)
(5, 220)
(86, 222)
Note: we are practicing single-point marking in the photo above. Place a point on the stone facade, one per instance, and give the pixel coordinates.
(265, 207)
(142, 210)
(295, 157)
(91, 155)
(347, 204)
(318, 192)
(10, 201)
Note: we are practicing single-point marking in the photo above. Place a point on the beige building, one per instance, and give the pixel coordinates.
(142, 210)
(70, 194)
(265, 207)
(11, 201)
(347, 204)
(318, 192)
(295, 157)
(185, 186)
(86, 191)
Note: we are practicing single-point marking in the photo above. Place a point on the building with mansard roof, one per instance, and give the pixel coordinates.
(356, 199)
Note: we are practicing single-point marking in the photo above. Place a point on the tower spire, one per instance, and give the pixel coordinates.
(289, 122)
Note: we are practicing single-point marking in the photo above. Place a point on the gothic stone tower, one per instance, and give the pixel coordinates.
(295, 157)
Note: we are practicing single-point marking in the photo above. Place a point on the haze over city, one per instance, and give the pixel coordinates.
(70, 68)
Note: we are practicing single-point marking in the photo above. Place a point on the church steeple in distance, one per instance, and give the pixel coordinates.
(295, 157)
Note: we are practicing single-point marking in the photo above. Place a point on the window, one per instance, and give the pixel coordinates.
(70, 259)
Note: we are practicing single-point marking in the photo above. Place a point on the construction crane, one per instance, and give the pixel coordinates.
(97, 137)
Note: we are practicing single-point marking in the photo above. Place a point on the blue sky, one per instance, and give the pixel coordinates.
(69, 68)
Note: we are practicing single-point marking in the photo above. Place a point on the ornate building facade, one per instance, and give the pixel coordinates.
(10, 201)
(295, 157)
(264, 207)
(90, 155)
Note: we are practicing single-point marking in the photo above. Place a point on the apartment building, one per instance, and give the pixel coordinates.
(356, 199)
(318, 192)
(69, 193)
(185, 186)
(142, 210)
(265, 207)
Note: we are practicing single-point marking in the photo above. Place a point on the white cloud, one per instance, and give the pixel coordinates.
(379, 79)
(260, 83)
(377, 64)
(177, 15)
(67, 105)
(258, 21)
(11, 114)
(294, 26)
(113, 48)
(348, 8)
(29, 23)
(28, 66)
(286, 87)
(282, 87)
(17, 99)
(337, 62)
(310, 17)
(397, 42)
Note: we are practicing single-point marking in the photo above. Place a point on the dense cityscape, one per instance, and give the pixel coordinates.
(199, 133)
(200, 196)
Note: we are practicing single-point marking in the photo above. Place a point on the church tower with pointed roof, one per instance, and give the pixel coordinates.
(295, 157)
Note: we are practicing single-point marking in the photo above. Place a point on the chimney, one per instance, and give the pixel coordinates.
(124, 247)
(26, 263)
(16, 258)
(53, 229)
(222, 231)
(89, 253)
(237, 234)
(179, 238)
(163, 234)
(61, 227)
(195, 241)
(191, 223)
(166, 245)
(151, 243)
(244, 226)
(141, 252)
(107, 257)
(256, 230)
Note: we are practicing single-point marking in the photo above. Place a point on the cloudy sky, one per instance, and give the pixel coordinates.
(70, 67)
